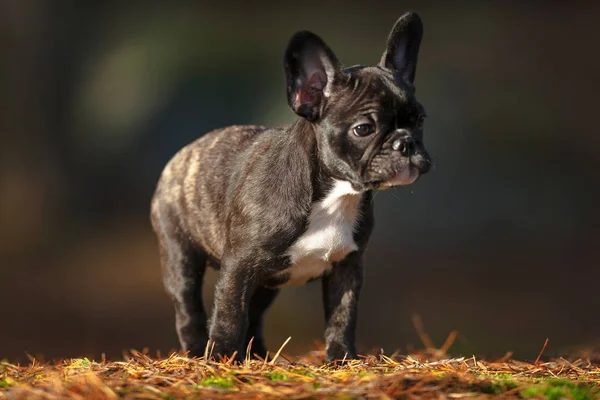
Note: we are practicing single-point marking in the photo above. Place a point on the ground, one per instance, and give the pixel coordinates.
(426, 375)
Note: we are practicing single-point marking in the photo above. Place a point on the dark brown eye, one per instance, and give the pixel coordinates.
(364, 130)
(421, 120)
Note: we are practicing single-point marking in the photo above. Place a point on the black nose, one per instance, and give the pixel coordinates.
(406, 146)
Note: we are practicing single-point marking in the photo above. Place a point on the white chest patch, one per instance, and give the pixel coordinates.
(329, 236)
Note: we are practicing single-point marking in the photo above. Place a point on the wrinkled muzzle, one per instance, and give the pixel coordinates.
(400, 161)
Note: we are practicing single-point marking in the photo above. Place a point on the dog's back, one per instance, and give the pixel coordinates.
(194, 181)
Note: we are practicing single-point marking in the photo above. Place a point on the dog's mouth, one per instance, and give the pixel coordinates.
(390, 168)
(404, 177)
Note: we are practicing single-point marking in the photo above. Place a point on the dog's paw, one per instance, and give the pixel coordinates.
(221, 353)
(339, 355)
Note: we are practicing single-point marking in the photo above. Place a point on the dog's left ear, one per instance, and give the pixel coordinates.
(403, 48)
(310, 69)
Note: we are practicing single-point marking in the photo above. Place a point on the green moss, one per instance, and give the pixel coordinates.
(557, 382)
(82, 363)
(506, 377)
(223, 382)
(302, 371)
(4, 383)
(556, 389)
(277, 376)
(499, 386)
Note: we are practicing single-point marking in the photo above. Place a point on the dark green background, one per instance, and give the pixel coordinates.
(500, 241)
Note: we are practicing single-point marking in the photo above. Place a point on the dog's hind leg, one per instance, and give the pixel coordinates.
(183, 268)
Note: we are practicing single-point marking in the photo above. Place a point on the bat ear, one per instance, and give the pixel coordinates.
(310, 70)
(403, 48)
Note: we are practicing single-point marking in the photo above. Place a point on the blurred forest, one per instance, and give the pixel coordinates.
(499, 242)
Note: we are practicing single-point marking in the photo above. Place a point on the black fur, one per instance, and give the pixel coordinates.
(239, 197)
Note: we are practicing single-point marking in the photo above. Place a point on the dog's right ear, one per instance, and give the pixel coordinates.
(310, 69)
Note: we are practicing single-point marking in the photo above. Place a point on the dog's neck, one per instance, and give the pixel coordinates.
(304, 137)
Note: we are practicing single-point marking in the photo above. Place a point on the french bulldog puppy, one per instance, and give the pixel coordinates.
(273, 207)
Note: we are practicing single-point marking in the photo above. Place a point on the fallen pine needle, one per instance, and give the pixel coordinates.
(279, 351)
(541, 352)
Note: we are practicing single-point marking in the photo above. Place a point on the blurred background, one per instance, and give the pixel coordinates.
(500, 242)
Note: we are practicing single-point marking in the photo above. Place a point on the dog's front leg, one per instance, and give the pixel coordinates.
(341, 290)
(229, 321)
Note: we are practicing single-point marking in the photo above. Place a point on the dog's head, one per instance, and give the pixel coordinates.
(369, 124)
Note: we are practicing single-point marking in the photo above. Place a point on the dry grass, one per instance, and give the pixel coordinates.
(425, 375)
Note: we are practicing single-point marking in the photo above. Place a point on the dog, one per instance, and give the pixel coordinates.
(277, 207)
